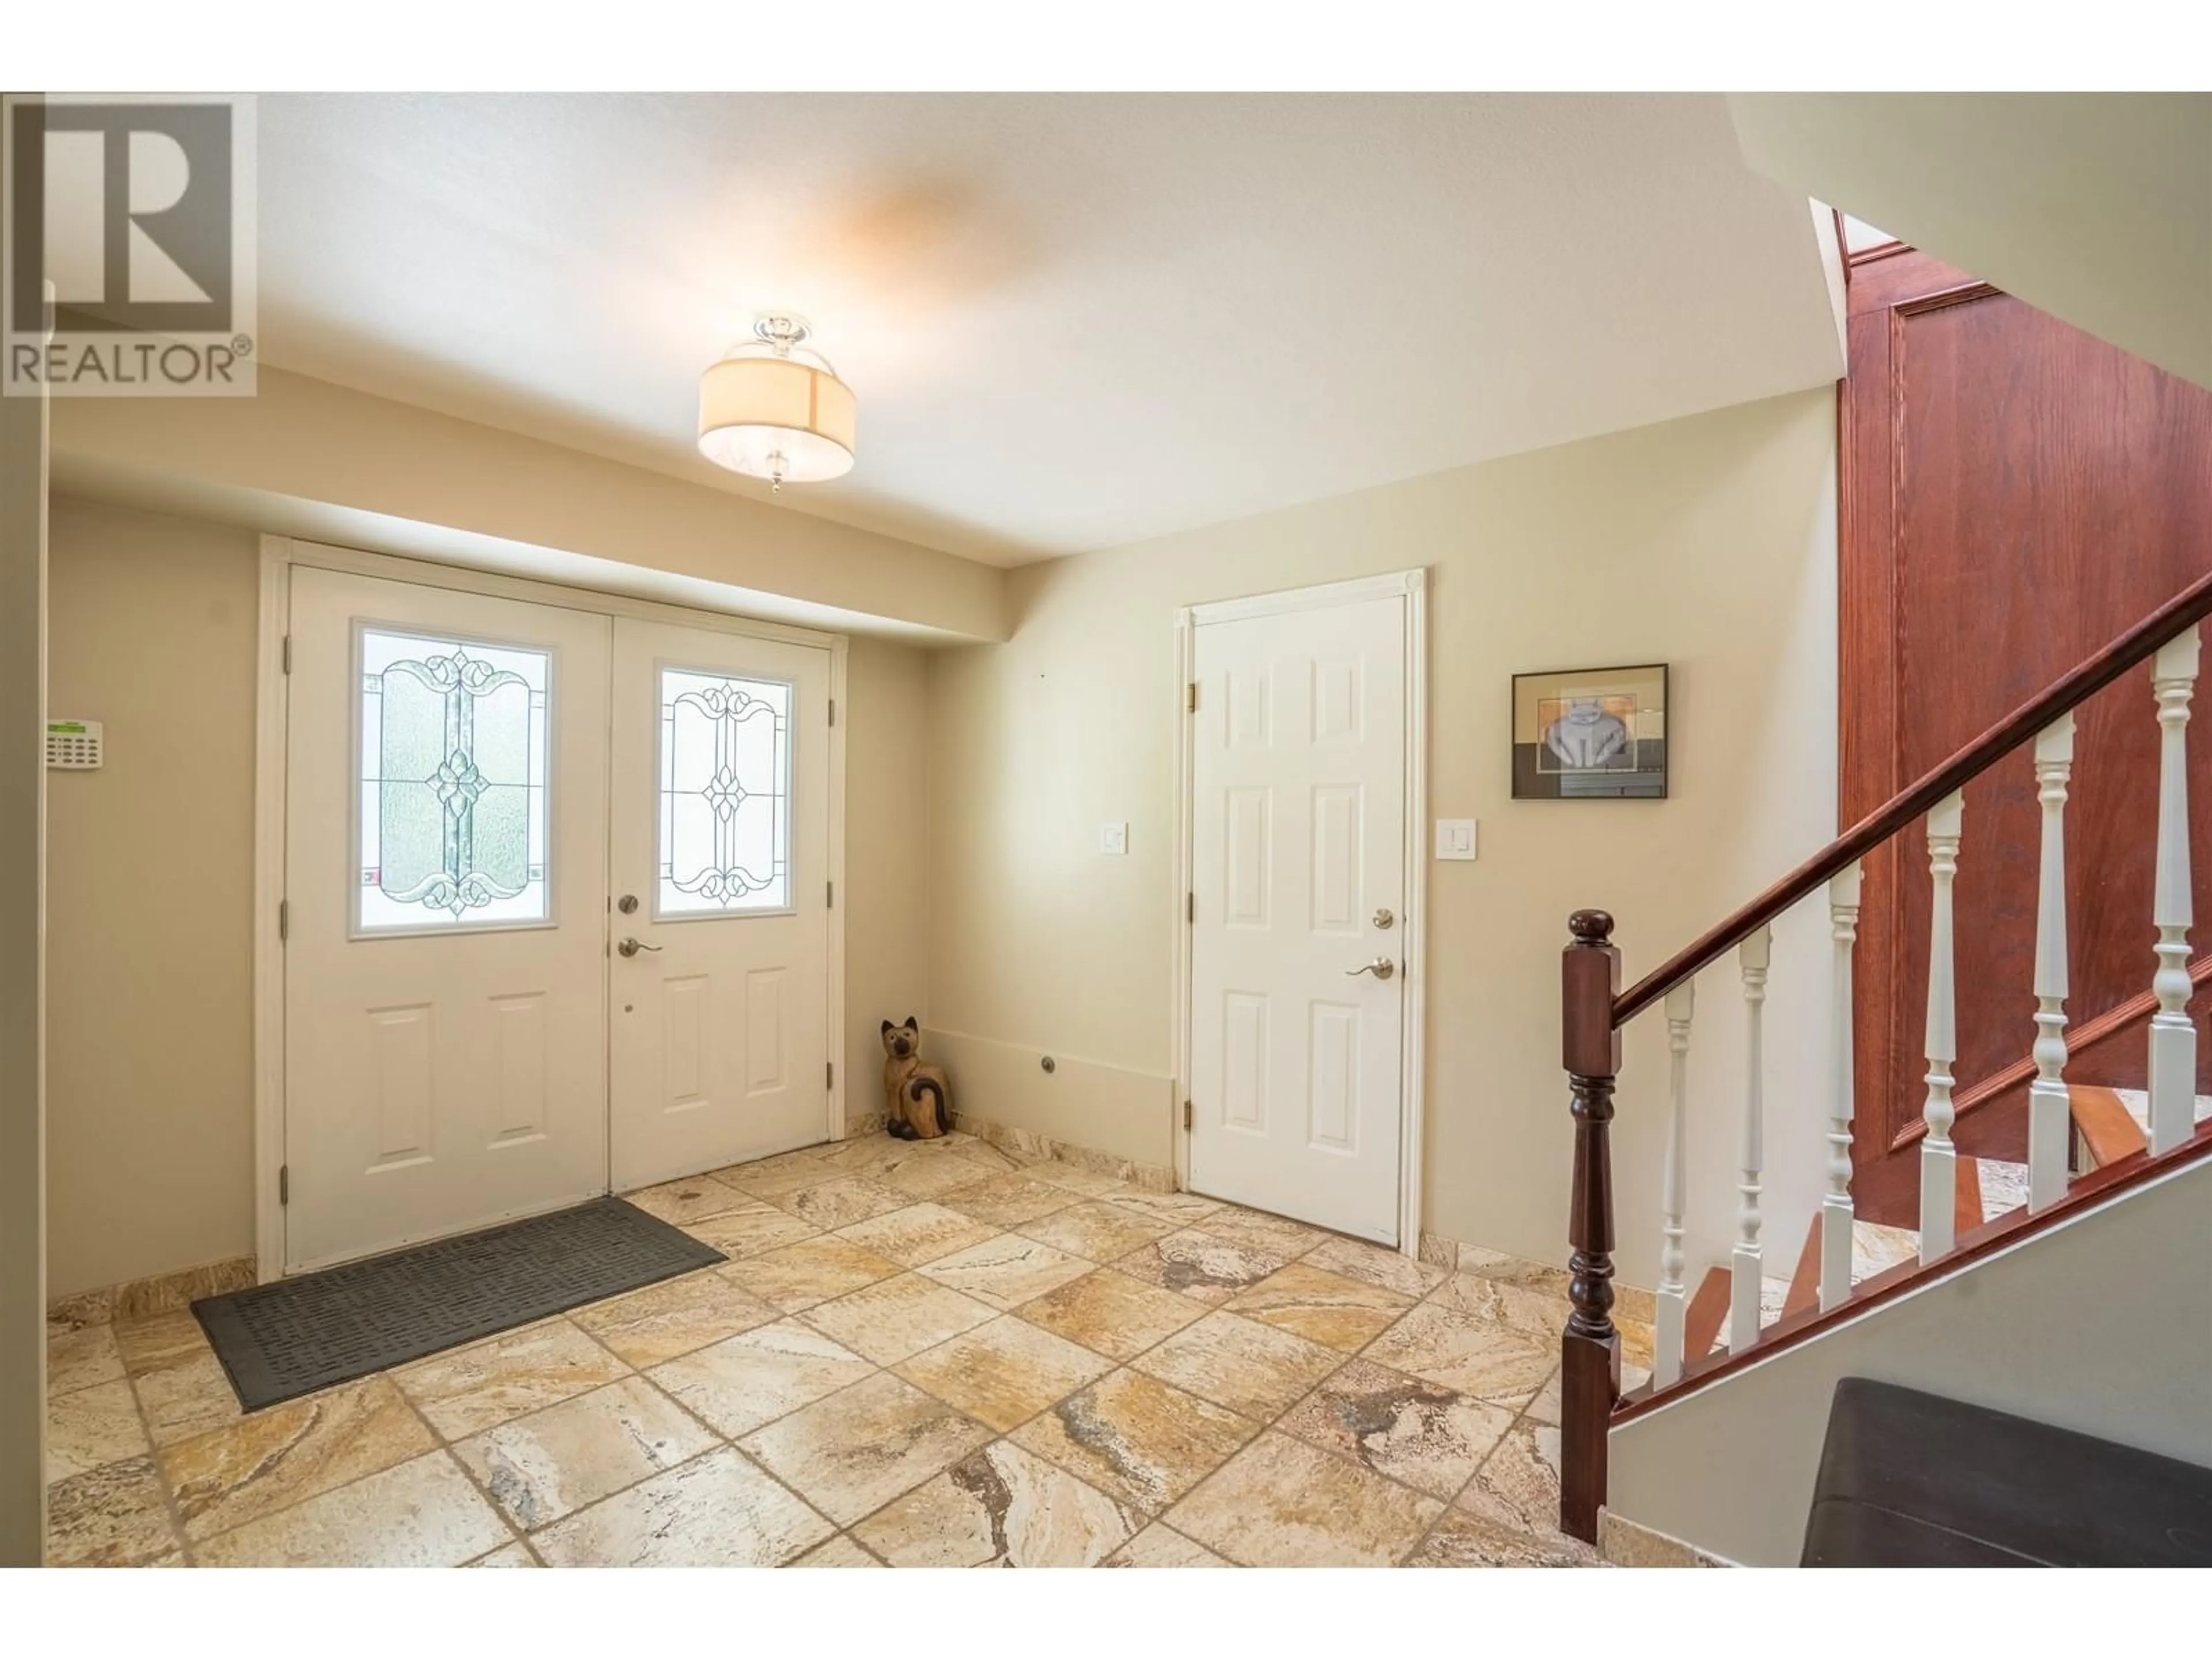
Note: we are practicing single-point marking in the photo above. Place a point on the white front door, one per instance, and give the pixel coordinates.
(446, 852)
(719, 984)
(1297, 980)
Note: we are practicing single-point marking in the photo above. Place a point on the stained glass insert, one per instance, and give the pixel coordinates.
(725, 794)
(452, 782)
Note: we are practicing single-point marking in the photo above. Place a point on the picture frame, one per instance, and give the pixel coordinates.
(1591, 733)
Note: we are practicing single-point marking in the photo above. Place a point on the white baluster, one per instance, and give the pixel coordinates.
(2172, 1037)
(2050, 1122)
(1836, 1205)
(1744, 1261)
(1670, 1302)
(1939, 1163)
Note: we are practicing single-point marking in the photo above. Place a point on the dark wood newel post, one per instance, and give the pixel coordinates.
(1590, 1372)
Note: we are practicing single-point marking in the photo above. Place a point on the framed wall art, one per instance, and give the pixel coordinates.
(1590, 734)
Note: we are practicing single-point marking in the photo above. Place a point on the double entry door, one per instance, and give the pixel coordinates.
(556, 907)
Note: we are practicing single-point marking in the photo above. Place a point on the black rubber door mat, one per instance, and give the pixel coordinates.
(279, 1341)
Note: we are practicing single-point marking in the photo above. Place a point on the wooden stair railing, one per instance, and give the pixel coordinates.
(2107, 1133)
(1594, 1009)
(2121, 1020)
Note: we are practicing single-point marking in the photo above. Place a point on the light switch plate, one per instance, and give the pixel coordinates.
(1113, 838)
(1456, 838)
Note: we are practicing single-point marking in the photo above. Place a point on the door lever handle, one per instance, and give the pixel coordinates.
(1382, 967)
(630, 947)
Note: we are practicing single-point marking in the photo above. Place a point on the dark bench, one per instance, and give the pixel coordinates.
(1911, 1479)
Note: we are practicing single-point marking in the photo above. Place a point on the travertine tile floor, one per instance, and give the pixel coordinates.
(918, 1355)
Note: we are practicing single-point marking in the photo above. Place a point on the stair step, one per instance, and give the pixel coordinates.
(2108, 1128)
(1875, 1249)
(2137, 1101)
(2115, 1124)
(1984, 1188)
(2004, 1188)
(1773, 1293)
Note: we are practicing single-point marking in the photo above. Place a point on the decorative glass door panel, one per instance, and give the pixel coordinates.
(452, 737)
(725, 833)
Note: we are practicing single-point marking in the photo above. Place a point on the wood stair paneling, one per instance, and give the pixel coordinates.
(1805, 1283)
(1707, 1313)
(1966, 1198)
(2108, 1129)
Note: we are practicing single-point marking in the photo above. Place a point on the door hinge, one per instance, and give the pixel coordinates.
(829, 894)
(1191, 698)
(283, 1183)
(833, 711)
(1187, 1115)
(829, 1074)
(284, 920)
(1190, 907)
(287, 654)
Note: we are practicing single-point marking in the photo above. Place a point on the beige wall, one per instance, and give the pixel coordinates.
(977, 779)
(326, 463)
(149, 1016)
(22, 980)
(1707, 543)
(2093, 206)
(149, 1164)
(886, 857)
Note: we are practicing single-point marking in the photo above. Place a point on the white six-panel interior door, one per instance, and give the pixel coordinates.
(556, 907)
(1299, 928)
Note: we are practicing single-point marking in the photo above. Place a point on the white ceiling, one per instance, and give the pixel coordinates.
(1071, 321)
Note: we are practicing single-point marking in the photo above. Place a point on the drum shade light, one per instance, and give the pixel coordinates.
(774, 409)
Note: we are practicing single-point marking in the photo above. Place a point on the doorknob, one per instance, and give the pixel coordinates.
(630, 947)
(1382, 967)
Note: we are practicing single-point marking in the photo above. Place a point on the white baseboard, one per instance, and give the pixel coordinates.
(1122, 1114)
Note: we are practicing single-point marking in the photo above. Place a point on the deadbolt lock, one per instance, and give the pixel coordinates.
(1384, 919)
(627, 904)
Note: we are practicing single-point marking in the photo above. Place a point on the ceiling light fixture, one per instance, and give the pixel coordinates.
(774, 409)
